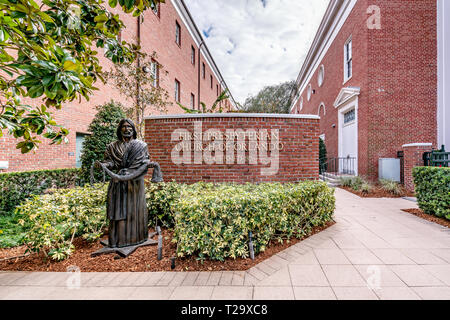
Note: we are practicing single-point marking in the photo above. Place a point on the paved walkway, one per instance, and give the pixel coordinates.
(374, 251)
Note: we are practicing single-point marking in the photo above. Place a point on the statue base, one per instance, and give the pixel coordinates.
(124, 251)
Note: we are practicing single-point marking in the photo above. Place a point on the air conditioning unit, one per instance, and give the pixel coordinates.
(389, 168)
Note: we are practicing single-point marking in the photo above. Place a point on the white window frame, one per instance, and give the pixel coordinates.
(351, 121)
(154, 73)
(309, 92)
(177, 33)
(177, 90)
(192, 55)
(348, 59)
(321, 76)
(192, 101)
(324, 109)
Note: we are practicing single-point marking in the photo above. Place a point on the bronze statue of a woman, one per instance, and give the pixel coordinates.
(126, 206)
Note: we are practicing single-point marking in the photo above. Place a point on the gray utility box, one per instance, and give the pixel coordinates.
(389, 168)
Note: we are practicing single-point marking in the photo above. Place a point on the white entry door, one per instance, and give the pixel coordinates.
(348, 138)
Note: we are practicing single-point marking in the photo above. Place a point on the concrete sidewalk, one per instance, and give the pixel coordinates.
(374, 251)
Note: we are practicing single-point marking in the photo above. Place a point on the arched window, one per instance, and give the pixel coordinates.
(321, 75)
(322, 110)
(301, 103)
(308, 94)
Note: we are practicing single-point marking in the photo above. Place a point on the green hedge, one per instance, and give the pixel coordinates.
(208, 220)
(214, 220)
(53, 220)
(15, 187)
(432, 186)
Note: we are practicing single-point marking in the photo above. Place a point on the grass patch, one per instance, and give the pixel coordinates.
(11, 232)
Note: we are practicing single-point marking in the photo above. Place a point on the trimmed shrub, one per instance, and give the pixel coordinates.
(103, 128)
(432, 186)
(208, 220)
(53, 220)
(160, 198)
(214, 220)
(15, 187)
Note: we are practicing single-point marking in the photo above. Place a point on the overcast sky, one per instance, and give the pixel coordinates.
(256, 43)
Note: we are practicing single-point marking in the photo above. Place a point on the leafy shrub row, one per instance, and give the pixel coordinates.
(15, 187)
(432, 186)
(208, 220)
(214, 220)
(53, 220)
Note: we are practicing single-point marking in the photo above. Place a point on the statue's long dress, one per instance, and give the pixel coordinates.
(126, 206)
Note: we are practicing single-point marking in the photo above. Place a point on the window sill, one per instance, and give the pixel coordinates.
(346, 80)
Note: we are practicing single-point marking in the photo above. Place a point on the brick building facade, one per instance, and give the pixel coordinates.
(171, 33)
(375, 75)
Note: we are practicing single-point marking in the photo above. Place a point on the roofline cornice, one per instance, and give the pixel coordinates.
(195, 33)
(333, 18)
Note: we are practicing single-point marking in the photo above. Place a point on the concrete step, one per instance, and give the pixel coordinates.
(329, 178)
(331, 182)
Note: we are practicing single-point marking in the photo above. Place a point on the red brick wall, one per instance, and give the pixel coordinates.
(333, 61)
(157, 34)
(412, 157)
(403, 63)
(395, 68)
(298, 157)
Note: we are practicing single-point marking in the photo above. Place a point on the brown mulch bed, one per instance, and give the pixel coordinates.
(419, 213)
(143, 259)
(378, 192)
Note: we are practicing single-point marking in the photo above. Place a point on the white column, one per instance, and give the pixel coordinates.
(443, 35)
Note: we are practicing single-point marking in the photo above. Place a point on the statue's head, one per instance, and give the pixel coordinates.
(126, 129)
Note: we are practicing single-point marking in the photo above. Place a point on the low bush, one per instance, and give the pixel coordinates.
(214, 220)
(103, 128)
(366, 187)
(11, 233)
(15, 187)
(346, 181)
(53, 220)
(208, 220)
(356, 183)
(432, 187)
(391, 186)
(160, 198)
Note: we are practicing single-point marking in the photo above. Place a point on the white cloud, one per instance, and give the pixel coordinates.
(256, 43)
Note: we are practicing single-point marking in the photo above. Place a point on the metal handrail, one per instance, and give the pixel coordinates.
(437, 158)
(338, 166)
